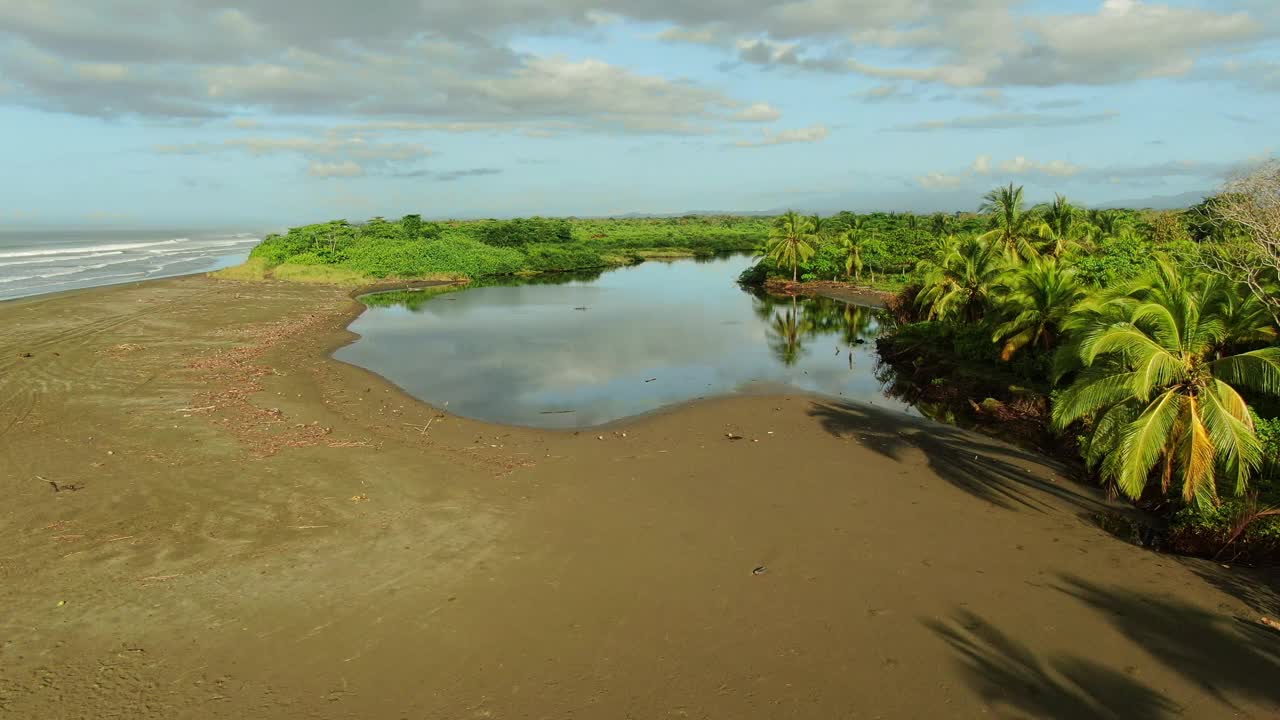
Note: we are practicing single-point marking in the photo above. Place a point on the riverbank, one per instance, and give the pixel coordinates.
(207, 517)
(868, 295)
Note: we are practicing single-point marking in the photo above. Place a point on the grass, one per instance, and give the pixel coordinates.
(250, 270)
(258, 270)
(666, 253)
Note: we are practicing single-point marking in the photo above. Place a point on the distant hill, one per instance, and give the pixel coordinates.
(1161, 202)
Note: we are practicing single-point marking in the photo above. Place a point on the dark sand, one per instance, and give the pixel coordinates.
(261, 532)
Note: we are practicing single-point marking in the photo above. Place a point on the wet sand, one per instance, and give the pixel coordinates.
(206, 517)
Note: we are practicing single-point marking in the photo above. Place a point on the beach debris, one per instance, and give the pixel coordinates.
(599, 437)
(122, 349)
(1270, 623)
(25, 355)
(359, 498)
(111, 452)
(732, 436)
(69, 487)
(759, 570)
(650, 380)
(61, 603)
(582, 307)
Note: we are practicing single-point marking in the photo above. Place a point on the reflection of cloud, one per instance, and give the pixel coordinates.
(511, 353)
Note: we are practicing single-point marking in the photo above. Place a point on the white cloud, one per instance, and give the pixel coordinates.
(1008, 120)
(376, 63)
(992, 43)
(940, 181)
(1020, 165)
(758, 112)
(331, 170)
(983, 168)
(102, 72)
(336, 153)
(816, 133)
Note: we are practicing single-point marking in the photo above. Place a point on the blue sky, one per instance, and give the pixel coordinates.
(270, 113)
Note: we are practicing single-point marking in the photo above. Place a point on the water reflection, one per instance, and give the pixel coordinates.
(574, 351)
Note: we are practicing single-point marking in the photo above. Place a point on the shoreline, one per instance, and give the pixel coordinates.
(239, 491)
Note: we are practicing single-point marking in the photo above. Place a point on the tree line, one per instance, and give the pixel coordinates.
(1152, 334)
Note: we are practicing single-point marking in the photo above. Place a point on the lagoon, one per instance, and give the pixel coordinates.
(579, 351)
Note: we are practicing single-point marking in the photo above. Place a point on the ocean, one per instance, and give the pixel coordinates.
(33, 262)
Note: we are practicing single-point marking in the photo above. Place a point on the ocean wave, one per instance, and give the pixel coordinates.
(61, 273)
(58, 258)
(87, 249)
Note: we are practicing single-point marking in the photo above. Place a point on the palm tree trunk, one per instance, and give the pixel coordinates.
(795, 271)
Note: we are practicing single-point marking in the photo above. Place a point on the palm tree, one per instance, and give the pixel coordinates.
(1063, 229)
(822, 227)
(1160, 396)
(790, 241)
(1039, 297)
(963, 284)
(1013, 227)
(940, 224)
(1106, 223)
(1247, 323)
(853, 241)
(913, 226)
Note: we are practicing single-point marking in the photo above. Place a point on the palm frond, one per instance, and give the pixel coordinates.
(1257, 370)
(1145, 442)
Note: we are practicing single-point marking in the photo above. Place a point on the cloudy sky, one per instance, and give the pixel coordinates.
(270, 112)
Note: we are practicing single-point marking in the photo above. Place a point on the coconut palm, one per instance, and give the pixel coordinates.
(1246, 320)
(853, 243)
(912, 224)
(1063, 229)
(1162, 400)
(791, 241)
(822, 227)
(1106, 223)
(1015, 229)
(963, 284)
(1038, 298)
(940, 224)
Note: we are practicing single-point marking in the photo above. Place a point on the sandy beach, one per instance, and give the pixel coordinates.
(205, 516)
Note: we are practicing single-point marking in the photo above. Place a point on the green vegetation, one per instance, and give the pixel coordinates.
(1146, 341)
(413, 248)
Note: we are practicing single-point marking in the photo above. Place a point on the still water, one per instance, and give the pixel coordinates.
(582, 351)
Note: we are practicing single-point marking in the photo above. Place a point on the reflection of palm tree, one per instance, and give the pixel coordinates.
(860, 323)
(787, 333)
(763, 305)
(815, 317)
(853, 323)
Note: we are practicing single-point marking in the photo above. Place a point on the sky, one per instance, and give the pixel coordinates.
(269, 113)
